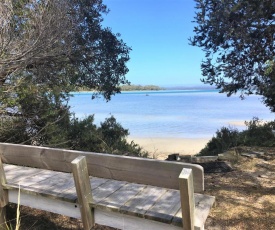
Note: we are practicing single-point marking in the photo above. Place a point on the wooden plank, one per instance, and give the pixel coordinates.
(45, 203)
(84, 191)
(187, 199)
(177, 220)
(56, 159)
(20, 155)
(120, 197)
(3, 192)
(8, 167)
(37, 156)
(203, 204)
(106, 189)
(64, 185)
(49, 183)
(141, 171)
(202, 209)
(122, 221)
(52, 179)
(165, 208)
(55, 183)
(69, 194)
(143, 201)
(111, 219)
(95, 182)
(130, 169)
(21, 173)
(36, 179)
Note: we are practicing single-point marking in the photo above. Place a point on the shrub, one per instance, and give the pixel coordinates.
(257, 133)
(71, 133)
(225, 138)
(109, 137)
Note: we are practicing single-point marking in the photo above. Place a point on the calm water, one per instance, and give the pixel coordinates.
(174, 113)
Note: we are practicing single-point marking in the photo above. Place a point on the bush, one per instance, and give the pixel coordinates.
(71, 133)
(225, 138)
(109, 137)
(257, 133)
(37, 115)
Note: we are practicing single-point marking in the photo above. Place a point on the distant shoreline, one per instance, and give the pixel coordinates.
(126, 88)
(162, 90)
(141, 88)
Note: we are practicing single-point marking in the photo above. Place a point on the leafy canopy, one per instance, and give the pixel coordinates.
(60, 43)
(47, 49)
(238, 37)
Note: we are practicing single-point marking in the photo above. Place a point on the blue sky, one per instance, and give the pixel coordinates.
(158, 32)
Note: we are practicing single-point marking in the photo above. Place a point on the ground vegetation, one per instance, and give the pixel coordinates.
(257, 133)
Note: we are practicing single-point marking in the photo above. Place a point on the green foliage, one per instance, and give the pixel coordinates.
(225, 138)
(35, 116)
(109, 137)
(72, 50)
(82, 135)
(257, 133)
(101, 56)
(269, 80)
(41, 117)
(237, 38)
(12, 130)
(112, 133)
(71, 133)
(47, 49)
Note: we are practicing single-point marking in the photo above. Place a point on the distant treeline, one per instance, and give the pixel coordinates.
(125, 88)
(139, 87)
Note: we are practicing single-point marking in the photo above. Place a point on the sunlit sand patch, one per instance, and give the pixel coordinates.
(160, 148)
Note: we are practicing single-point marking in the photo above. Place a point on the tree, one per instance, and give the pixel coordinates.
(47, 49)
(34, 35)
(238, 39)
(55, 46)
(60, 43)
(34, 115)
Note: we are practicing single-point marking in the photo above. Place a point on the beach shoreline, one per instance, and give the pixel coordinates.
(161, 147)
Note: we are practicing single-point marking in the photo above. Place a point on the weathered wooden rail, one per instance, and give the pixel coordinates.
(121, 192)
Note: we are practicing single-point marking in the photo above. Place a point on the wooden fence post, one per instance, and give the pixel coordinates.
(187, 198)
(83, 191)
(3, 197)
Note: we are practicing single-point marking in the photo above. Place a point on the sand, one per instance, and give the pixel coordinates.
(160, 148)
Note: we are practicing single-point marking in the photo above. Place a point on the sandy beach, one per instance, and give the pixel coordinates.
(160, 148)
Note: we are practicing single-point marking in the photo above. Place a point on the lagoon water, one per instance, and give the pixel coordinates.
(172, 113)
